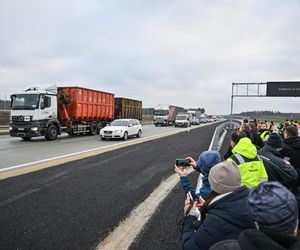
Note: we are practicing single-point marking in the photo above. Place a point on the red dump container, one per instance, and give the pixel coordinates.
(84, 104)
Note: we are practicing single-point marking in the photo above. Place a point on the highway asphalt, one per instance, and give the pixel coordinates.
(76, 205)
(162, 231)
(14, 151)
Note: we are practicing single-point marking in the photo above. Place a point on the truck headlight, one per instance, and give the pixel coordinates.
(34, 129)
(10, 128)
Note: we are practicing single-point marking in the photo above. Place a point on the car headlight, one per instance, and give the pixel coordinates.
(34, 129)
(10, 128)
(118, 131)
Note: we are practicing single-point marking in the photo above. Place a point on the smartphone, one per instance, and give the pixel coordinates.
(182, 162)
(191, 197)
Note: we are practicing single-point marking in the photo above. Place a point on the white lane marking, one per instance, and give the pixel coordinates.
(7, 139)
(85, 151)
(125, 233)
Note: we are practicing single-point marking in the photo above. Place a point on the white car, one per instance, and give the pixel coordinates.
(121, 128)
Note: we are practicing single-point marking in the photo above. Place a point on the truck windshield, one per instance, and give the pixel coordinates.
(181, 118)
(119, 123)
(25, 101)
(161, 112)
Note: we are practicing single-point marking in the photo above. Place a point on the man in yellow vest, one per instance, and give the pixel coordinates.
(251, 166)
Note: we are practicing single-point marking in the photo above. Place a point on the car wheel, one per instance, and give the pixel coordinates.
(125, 137)
(139, 134)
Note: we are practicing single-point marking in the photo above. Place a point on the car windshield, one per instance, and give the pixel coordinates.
(25, 101)
(161, 112)
(119, 123)
(181, 118)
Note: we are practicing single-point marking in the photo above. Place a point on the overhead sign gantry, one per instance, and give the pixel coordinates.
(266, 89)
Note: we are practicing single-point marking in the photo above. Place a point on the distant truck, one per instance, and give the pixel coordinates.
(195, 116)
(165, 115)
(182, 120)
(203, 118)
(49, 112)
(128, 108)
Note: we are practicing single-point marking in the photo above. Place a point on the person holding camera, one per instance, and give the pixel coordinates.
(224, 214)
(206, 161)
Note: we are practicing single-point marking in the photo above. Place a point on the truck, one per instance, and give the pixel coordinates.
(128, 108)
(182, 120)
(52, 110)
(203, 118)
(194, 116)
(165, 115)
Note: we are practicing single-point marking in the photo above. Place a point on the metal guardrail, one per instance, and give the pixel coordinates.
(220, 133)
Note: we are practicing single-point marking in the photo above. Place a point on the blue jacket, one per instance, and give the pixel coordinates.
(226, 218)
(204, 190)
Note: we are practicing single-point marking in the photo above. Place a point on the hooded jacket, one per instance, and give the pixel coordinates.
(226, 218)
(253, 239)
(277, 168)
(252, 169)
(291, 149)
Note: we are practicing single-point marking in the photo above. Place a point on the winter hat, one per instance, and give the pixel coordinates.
(272, 206)
(224, 177)
(274, 141)
(207, 160)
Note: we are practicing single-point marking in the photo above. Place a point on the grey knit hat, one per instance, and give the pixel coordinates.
(272, 206)
(224, 177)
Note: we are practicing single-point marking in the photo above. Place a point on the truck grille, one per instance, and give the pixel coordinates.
(19, 121)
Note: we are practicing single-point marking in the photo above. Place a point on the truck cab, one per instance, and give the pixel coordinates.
(32, 111)
(161, 116)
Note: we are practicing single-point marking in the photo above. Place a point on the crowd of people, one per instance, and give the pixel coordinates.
(250, 197)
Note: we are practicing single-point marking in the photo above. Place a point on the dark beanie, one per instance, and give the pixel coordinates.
(274, 141)
(272, 206)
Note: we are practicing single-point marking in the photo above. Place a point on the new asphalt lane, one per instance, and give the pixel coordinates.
(76, 205)
(163, 230)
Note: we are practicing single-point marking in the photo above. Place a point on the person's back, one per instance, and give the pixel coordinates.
(277, 168)
(251, 166)
(273, 211)
(291, 146)
(224, 214)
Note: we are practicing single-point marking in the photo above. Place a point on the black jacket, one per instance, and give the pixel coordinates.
(291, 149)
(226, 218)
(253, 239)
(277, 168)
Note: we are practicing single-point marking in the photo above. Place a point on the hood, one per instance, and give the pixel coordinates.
(245, 148)
(114, 128)
(293, 142)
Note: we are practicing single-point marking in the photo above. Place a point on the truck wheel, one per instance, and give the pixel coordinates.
(139, 134)
(125, 137)
(26, 138)
(51, 133)
(93, 129)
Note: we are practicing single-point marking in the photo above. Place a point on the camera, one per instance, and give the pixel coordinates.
(182, 162)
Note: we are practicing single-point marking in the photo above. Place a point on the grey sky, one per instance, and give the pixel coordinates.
(182, 52)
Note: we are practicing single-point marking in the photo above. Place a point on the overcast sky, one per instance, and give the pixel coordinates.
(181, 52)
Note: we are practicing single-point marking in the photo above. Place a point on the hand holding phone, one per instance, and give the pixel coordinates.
(182, 162)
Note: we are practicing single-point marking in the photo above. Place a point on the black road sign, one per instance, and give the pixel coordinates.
(283, 89)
